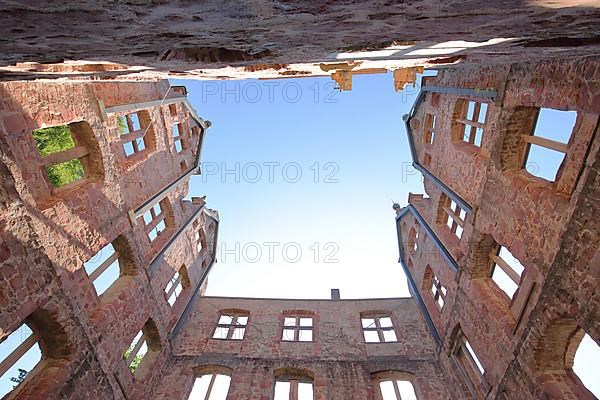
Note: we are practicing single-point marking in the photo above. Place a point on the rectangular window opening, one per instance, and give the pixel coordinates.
(379, 329)
(231, 327)
(19, 354)
(61, 156)
(473, 121)
(507, 271)
(136, 351)
(297, 329)
(103, 268)
(132, 134)
(546, 145)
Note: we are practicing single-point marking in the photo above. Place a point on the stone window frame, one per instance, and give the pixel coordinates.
(157, 216)
(233, 326)
(554, 355)
(393, 376)
(295, 377)
(214, 371)
(452, 216)
(433, 285)
(180, 138)
(297, 326)
(148, 335)
(378, 327)
(413, 237)
(497, 261)
(19, 351)
(137, 137)
(122, 255)
(200, 238)
(54, 345)
(468, 364)
(461, 122)
(178, 283)
(86, 150)
(429, 129)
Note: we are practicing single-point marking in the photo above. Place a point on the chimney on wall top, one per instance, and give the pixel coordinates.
(335, 294)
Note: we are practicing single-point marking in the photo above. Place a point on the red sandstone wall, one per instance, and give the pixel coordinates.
(542, 223)
(339, 358)
(45, 243)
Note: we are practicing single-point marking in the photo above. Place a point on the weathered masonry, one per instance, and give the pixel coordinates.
(305, 349)
(502, 252)
(104, 259)
(101, 254)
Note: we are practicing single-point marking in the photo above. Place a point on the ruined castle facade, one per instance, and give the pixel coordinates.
(104, 259)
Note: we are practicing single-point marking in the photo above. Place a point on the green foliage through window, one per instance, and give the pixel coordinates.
(135, 362)
(56, 139)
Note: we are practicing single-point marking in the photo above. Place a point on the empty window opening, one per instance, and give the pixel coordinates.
(231, 326)
(103, 268)
(546, 145)
(297, 329)
(397, 390)
(474, 357)
(210, 387)
(378, 329)
(199, 240)
(176, 285)
(63, 158)
(178, 137)
(154, 221)
(472, 115)
(506, 271)
(20, 353)
(585, 365)
(438, 291)
(468, 363)
(413, 237)
(136, 351)
(132, 134)
(454, 216)
(293, 389)
(173, 110)
(429, 129)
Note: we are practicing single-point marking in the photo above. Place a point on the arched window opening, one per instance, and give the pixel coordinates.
(293, 384)
(212, 386)
(585, 364)
(392, 385)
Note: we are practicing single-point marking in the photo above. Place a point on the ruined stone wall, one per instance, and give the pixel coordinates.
(542, 223)
(215, 38)
(47, 235)
(338, 358)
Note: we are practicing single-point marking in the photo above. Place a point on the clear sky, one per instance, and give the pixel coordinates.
(303, 177)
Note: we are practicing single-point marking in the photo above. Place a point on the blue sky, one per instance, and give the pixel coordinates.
(303, 176)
